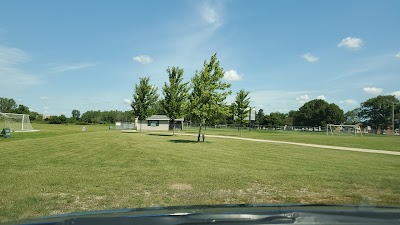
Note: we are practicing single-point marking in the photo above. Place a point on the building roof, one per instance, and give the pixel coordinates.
(161, 117)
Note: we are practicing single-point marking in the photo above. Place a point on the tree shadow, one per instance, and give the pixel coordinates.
(161, 135)
(184, 141)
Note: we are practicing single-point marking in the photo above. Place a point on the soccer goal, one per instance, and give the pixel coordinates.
(335, 129)
(16, 122)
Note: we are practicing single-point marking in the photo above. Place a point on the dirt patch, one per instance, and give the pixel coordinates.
(181, 186)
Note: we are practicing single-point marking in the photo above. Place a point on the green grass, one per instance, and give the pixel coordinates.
(61, 169)
(369, 141)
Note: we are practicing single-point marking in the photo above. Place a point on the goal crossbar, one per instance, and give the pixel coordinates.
(354, 128)
(16, 122)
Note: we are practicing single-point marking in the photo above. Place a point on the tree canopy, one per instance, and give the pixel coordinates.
(144, 98)
(377, 111)
(241, 107)
(175, 95)
(208, 93)
(7, 105)
(76, 114)
(318, 112)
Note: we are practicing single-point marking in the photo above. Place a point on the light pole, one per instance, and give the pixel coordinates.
(393, 118)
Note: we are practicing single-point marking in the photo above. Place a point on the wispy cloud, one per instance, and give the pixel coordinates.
(277, 100)
(303, 99)
(349, 102)
(127, 101)
(44, 98)
(70, 67)
(232, 75)
(373, 90)
(351, 42)
(310, 58)
(12, 75)
(397, 55)
(143, 59)
(396, 93)
(210, 12)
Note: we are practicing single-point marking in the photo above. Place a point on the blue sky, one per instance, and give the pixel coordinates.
(56, 56)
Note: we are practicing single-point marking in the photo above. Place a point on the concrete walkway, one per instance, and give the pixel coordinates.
(304, 144)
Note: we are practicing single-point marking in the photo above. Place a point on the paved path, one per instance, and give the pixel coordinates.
(304, 144)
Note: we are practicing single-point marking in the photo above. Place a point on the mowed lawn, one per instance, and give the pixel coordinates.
(61, 169)
(368, 141)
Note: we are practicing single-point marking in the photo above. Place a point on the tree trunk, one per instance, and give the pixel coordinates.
(140, 126)
(198, 136)
(204, 135)
(173, 128)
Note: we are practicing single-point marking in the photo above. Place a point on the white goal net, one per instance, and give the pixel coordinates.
(335, 129)
(16, 122)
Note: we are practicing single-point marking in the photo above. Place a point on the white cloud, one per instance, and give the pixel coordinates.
(210, 13)
(310, 58)
(349, 102)
(44, 98)
(12, 56)
(351, 42)
(127, 101)
(20, 100)
(11, 75)
(373, 90)
(143, 59)
(45, 107)
(303, 99)
(322, 97)
(232, 75)
(70, 67)
(396, 93)
(397, 55)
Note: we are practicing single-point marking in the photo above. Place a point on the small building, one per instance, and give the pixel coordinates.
(158, 122)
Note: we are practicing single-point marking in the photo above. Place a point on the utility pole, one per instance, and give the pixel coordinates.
(393, 118)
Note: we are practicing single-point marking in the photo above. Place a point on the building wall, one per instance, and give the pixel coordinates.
(163, 125)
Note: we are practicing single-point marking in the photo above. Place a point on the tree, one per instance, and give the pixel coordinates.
(175, 95)
(378, 111)
(276, 119)
(352, 117)
(76, 114)
(260, 117)
(208, 94)
(242, 107)
(21, 109)
(144, 99)
(318, 112)
(7, 105)
(62, 118)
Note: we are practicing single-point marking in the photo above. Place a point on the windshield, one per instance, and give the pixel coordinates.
(110, 105)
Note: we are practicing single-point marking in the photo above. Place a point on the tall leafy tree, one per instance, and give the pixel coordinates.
(175, 95)
(318, 112)
(260, 117)
(76, 114)
(22, 109)
(353, 116)
(7, 105)
(144, 98)
(242, 108)
(208, 94)
(377, 111)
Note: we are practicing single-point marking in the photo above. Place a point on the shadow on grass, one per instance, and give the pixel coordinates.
(162, 135)
(184, 141)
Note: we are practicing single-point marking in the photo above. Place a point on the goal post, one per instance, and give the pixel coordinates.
(16, 122)
(341, 129)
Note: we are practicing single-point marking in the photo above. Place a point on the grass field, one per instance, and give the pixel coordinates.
(61, 169)
(369, 141)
